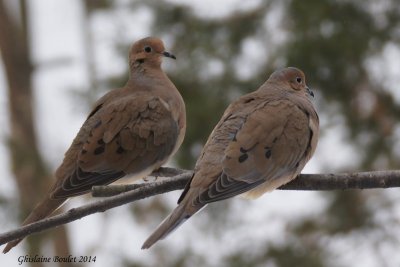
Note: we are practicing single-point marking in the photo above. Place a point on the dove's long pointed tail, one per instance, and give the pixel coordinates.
(41, 211)
(172, 222)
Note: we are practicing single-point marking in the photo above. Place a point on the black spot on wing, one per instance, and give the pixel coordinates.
(99, 150)
(244, 151)
(268, 152)
(243, 157)
(120, 150)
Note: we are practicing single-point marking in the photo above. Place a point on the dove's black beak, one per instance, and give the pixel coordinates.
(310, 92)
(168, 54)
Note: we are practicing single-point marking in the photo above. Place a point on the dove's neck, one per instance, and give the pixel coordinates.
(143, 74)
(138, 67)
(148, 76)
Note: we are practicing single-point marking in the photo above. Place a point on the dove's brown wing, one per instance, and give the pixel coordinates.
(127, 136)
(254, 143)
(269, 143)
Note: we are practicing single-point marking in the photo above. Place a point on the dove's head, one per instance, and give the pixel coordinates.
(148, 52)
(293, 78)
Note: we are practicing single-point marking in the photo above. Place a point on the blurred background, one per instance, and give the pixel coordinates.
(58, 57)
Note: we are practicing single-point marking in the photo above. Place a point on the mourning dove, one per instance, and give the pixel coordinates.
(131, 130)
(262, 141)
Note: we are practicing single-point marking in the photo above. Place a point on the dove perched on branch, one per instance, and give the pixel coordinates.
(263, 141)
(131, 130)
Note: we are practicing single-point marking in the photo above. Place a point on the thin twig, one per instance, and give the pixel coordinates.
(363, 180)
(113, 190)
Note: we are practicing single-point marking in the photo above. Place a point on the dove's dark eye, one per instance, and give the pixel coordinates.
(147, 49)
(298, 79)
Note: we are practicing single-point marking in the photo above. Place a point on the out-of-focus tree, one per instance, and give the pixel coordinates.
(30, 172)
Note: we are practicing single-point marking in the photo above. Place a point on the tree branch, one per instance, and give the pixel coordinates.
(362, 180)
(113, 190)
